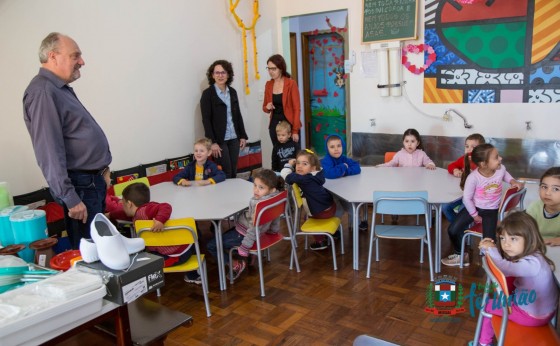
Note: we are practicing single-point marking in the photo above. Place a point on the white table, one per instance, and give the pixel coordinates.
(358, 189)
(207, 203)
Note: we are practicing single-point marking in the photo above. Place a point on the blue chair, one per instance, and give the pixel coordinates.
(401, 203)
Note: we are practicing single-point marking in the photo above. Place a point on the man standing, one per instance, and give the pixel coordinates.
(71, 148)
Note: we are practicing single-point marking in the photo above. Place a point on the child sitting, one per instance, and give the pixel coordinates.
(520, 253)
(310, 178)
(412, 154)
(546, 211)
(201, 171)
(137, 205)
(266, 184)
(461, 168)
(337, 165)
(285, 149)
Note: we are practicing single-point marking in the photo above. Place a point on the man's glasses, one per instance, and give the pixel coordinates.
(272, 68)
(220, 73)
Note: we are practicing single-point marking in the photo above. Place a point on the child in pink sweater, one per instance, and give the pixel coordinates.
(412, 153)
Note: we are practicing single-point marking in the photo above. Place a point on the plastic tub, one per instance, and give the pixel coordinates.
(63, 261)
(6, 233)
(28, 226)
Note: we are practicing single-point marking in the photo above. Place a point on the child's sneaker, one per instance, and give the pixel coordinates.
(454, 260)
(363, 225)
(238, 268)
(319, 245)
(197, 281)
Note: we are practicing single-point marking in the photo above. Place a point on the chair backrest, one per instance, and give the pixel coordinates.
(118, 188)
(389, 156)
(270, 209)
(176, 232)
(511, 199)
(296, 193)
(496, 276)
(400, 202)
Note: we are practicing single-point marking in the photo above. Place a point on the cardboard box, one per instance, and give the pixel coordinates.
(145, 275)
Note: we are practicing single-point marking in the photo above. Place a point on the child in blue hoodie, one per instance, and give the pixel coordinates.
(337, 165)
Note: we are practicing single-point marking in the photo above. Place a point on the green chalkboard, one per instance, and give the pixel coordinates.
(389, 20)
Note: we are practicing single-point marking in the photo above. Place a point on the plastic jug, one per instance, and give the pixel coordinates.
(28, 226)
(6, 232)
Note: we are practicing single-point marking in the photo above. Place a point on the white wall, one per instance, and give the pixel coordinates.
(144, 73)
(394, 114)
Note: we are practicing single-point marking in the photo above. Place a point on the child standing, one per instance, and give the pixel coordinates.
(481, 197)
(412, 154)
(285, 149)
(337, 165)
(137, 205)
(461, 168)
(546, 211)
(521, 253)
(201, 171)
(310, 178)
(266, 184)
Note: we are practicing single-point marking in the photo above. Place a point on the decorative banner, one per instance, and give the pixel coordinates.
(244, 28)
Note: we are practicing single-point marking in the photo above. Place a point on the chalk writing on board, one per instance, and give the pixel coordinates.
(389, 19)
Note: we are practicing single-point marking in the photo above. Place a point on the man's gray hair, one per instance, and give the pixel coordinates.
(49, 44)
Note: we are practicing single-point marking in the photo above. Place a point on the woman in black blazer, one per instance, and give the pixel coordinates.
(221, 117)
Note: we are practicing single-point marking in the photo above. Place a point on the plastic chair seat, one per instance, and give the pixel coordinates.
(321, 225)
(190, 265)
(517, 334)
(400, 232)
(267, 240)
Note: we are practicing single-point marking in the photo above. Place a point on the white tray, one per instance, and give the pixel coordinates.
(26, 329)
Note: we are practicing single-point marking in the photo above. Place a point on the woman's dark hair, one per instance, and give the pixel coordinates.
(551, 172)
(523, 225)
(278, 61)
(270, 179)
(413, 132)
(467, 170)
(226, 65)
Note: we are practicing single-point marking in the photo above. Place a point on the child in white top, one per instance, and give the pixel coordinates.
(481, 197)
(412, 153)
(546, 211)
(521, 253)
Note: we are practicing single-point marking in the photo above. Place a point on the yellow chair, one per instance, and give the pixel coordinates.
(266, 211)
(118, 188)
(326, 227)
(508, 332)
(177, 232)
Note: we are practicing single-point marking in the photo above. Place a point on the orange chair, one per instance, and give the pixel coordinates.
(511, 199)
(506, 330)
(265, 212)
(389, 156)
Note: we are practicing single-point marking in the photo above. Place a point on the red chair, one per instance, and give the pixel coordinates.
(389, 156)
(508, 332)
(511, 199)
(265, 212)
(162, 177)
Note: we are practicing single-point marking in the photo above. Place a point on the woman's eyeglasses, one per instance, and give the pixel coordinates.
(272, 68)
(220, 73)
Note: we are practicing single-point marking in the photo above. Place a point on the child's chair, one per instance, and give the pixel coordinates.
(511, 199)
(389, 155)
(401, 203)
(326, 227)
(118, 188)
(177, 232)
(266, 211)
(514, 333)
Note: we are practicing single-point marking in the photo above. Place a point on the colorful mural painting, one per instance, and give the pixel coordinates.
(493, 51)
(328, 93)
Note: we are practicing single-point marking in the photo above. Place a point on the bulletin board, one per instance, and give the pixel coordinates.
(389, 20)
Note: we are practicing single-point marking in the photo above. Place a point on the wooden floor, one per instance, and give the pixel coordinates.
(319, 306)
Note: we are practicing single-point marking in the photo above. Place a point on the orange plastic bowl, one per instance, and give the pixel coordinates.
(62, 261)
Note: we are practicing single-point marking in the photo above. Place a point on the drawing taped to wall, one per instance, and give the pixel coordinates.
(493, 51)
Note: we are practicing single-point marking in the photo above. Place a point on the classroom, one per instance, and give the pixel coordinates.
(145, 71)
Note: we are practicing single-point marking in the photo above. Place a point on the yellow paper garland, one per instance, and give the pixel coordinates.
(256, 16)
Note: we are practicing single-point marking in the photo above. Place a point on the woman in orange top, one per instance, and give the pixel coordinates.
(281, 98)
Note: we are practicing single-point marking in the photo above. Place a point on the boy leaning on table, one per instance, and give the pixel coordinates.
(336, 165)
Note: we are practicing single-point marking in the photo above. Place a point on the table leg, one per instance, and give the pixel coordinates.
(355, 229)
(122, 326)
(437, 251)
(220, 250)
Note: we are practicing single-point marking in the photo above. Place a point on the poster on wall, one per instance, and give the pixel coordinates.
(493, 51)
